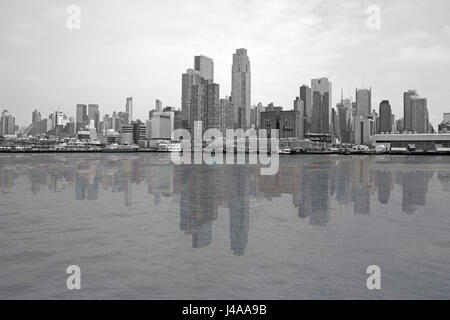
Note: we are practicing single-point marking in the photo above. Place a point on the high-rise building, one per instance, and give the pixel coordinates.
(446, 117)
(419, 115)
(394, 124)
(7, 123)
(306, 97)
(364, 130)
(81, 116)
(227, 115)
(161, 125)
(129, 108)
(188, 81)
(205, 66)
(59, 118)
(241, 88)
(343, 116)
(288, 123)
(299, 106)
(36, 116)
(407, 112)
(205, 105)
(363, 102)
(385, 122)
(94, 115)
(321, 105)
(158, 105)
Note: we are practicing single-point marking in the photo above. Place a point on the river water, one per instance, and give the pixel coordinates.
(139, 226)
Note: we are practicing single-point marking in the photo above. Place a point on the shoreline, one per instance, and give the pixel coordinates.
(405, 153)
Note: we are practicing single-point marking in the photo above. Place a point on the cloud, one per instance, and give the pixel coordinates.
(425, 54)
(447, 29)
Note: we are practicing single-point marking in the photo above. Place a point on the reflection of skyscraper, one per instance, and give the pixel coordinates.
(315, 187)
(384, 179)
(86, 182)
(415, 188)
(80, 187)
(344, 175)
(362, 186)
(444, 178)
(318, 178)
(198, 205)
(239, 210)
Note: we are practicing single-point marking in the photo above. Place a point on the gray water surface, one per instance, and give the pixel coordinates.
(140, 227)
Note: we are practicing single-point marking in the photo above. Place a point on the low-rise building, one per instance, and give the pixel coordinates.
(416, 142)
(287, 122)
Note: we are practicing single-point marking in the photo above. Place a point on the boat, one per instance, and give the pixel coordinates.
(284, 151)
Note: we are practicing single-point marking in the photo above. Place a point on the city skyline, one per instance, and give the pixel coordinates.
(335, 43)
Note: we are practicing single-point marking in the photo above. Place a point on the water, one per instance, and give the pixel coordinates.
(140, 227)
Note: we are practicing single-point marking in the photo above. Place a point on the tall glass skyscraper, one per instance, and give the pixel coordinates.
(321, 105)
(205, 66)
(363, 102)
(241, 89)
(407, 112)
(385, 117)
(129, 108)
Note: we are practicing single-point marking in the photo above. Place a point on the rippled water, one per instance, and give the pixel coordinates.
(141, 227)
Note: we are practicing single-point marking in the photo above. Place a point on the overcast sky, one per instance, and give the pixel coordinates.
(141, 48)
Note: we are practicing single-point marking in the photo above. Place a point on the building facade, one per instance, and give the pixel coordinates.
(419, 115)
(385, 122)
(363, 102)
(407, 110)
(321, 105)
(205, 66)
(286, 122)
(241, 88)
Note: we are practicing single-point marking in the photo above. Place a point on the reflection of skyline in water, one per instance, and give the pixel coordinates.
(313, 182)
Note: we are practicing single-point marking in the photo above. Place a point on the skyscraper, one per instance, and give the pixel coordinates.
(419, 115)
(36, 116)
(363, 102)
(7, 123)
(158, 105)
(81, 115)
(321, 105)
(385, 117)
(94, 114)
(205, 66)
(300, 107)
(227, 115)
(343, 115)
(407, 113)
(188, 80)
(205, 105)
(306, 97)
(241, 88)
(129, 108)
